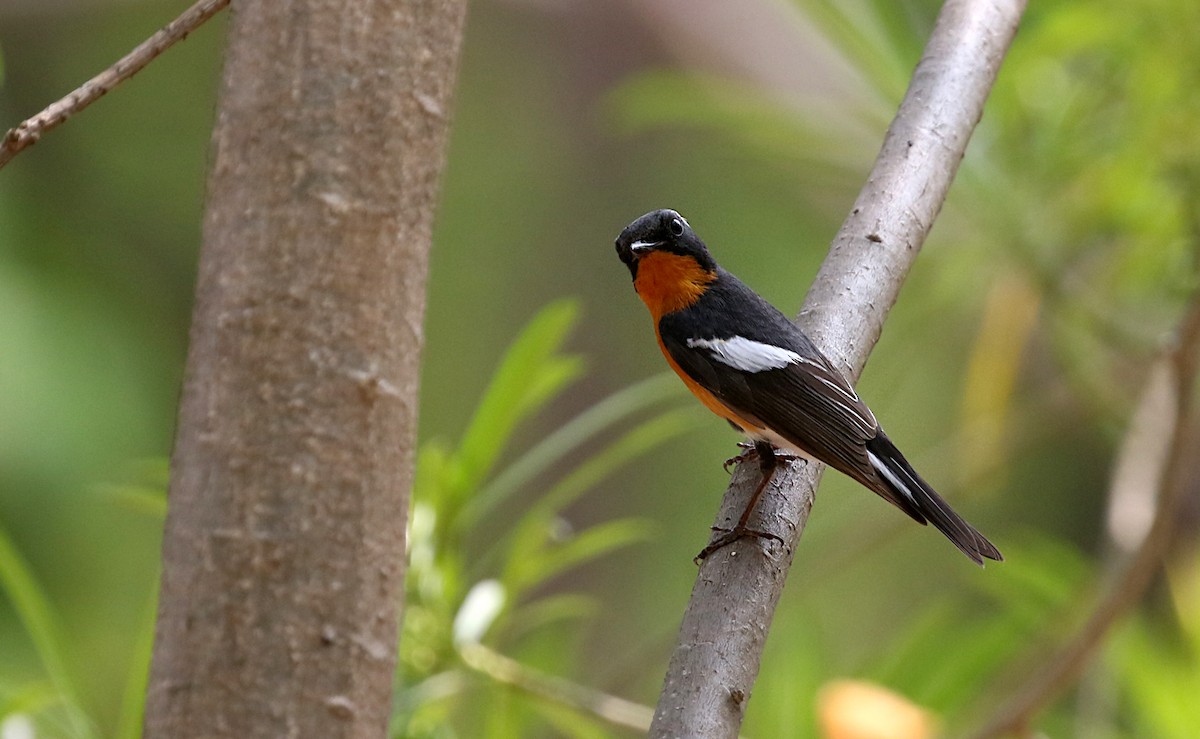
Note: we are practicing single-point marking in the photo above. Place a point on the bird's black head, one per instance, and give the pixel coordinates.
(662, 231)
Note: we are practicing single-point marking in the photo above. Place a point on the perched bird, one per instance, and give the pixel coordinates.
(749, 364)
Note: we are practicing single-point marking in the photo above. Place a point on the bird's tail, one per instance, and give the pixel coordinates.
(918, 499)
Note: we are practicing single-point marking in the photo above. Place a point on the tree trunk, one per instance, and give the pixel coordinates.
(283, 554)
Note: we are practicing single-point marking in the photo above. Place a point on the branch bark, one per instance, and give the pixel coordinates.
(717, 656)
(29, 131)
(283, 554)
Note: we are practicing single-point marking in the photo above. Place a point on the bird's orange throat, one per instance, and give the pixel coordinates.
(669, 282)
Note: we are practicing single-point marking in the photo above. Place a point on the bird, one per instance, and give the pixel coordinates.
(751, 365)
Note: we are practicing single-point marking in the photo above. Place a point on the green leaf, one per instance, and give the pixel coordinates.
(540, 566)
(35, 612)
(133, 702)
(31, 698)
(538, 614)
(531, 531)
(433, 463)
(529, 375)
(37, 616)
(639, 441)
(569, 437)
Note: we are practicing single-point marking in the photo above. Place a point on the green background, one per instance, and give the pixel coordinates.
(1007, 371)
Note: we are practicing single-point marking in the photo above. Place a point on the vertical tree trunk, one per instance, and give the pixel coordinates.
(283, 557)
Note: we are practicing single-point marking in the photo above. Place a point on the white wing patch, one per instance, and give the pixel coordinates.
(747, 355)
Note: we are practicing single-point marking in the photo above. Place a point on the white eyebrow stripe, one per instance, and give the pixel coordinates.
(747, 355)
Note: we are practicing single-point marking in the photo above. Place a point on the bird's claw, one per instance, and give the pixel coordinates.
(750, 451)
(728, 536)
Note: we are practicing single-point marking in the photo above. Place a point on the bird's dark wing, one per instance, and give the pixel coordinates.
(805, 401)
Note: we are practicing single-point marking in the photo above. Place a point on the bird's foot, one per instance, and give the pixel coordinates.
(750, 452)
(729, 536)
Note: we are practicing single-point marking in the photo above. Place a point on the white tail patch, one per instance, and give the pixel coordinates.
(747, 355)
(890, 476)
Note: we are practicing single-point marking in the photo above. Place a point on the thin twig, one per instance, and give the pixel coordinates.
(609, 708)
(717, 656)
(28, 132)
(1174, 374)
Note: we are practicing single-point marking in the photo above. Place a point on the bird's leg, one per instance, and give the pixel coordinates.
(750, 451)
(768, 459)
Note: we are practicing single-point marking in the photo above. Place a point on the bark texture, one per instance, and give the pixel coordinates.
(283, 556)
(716, 659)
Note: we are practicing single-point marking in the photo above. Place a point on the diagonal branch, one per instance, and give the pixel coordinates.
(28, 132)
(716, 658)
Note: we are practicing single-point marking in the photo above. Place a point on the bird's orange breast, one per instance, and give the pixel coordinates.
(669, 282)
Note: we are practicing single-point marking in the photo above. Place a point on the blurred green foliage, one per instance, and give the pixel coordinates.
(1159, 674)
(473, 581)
(1060, 261)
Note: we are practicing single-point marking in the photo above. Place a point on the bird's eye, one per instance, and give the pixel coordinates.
(676, 227)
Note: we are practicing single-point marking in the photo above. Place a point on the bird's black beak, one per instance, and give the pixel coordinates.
(641, 247)
(630, 251)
